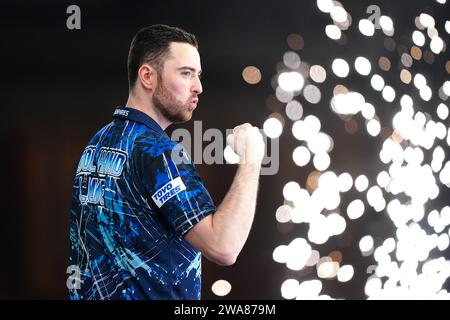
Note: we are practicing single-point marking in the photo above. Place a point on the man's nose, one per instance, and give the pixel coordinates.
(197, 86)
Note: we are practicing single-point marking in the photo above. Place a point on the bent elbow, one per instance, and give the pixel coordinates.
(227, 260)
(222, 258)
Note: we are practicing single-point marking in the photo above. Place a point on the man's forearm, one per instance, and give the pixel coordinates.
(221, 236)
(234, 216)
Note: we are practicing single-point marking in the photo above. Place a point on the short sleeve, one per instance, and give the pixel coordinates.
(175, 187)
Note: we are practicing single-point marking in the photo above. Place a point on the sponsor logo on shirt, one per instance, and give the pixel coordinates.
(121, 112)
(167, 191)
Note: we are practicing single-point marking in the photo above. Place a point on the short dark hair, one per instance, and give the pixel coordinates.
(151, 45)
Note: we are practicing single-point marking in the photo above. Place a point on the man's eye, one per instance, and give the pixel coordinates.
(186, 73)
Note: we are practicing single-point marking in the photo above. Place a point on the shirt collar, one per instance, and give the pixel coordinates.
(137, 116)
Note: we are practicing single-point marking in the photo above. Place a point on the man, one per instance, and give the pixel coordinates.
(139, 219)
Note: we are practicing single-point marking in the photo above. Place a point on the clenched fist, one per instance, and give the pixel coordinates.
(248, 143)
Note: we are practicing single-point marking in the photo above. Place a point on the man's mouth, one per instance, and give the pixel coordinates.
(193, 103)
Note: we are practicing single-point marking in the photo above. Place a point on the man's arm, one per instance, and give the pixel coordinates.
(221, 236)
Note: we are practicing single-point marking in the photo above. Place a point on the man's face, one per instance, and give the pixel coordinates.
(177, 90)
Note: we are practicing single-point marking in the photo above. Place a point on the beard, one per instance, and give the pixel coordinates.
(169, 106)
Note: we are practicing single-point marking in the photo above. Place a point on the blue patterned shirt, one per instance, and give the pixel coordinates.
(132, 203)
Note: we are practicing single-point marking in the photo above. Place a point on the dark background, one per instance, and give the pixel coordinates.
(59, 86)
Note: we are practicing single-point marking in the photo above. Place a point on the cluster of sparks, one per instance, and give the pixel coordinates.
(410, 264)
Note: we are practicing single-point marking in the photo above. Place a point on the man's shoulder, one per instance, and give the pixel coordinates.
(123, 129)
(154, 144)
(138, 138)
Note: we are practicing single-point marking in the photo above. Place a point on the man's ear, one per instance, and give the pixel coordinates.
(147, 75)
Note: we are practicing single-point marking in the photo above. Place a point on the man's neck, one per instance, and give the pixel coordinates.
(146, 107)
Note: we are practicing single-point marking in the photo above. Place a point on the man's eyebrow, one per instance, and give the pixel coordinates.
(190, 68)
